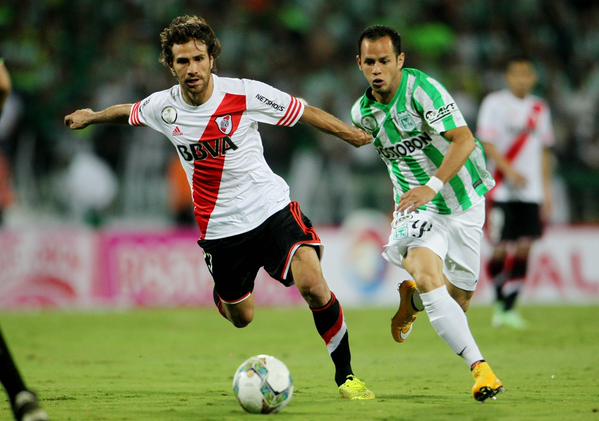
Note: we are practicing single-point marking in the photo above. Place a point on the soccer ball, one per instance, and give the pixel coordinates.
(262, 384)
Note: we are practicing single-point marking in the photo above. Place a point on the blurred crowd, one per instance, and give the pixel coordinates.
(67, 54)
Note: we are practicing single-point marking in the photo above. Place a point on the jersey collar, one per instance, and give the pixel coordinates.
(401, 90)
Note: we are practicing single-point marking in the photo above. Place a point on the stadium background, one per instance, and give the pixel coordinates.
(100, 218)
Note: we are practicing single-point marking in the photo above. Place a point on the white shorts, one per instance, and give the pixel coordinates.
(456, 239)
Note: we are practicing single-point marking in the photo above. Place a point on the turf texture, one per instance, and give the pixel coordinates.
(179, 364)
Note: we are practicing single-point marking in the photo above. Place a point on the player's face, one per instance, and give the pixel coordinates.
(521, 78)
(381, 67)
(192, 66)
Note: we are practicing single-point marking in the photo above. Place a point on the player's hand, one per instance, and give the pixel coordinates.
(357, 137)
(418, 196)
(516, 179)
(79, 119)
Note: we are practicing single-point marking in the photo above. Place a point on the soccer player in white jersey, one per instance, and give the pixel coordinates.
(23, 403)
(242, 208)
(439, 183)
(516, 128)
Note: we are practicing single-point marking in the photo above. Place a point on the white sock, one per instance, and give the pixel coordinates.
(450, 323)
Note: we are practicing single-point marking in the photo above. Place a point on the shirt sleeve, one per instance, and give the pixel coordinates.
(266, 104)
(143, 113)
(546, 133)
(356, 115)
(486, 124)
(437, 106)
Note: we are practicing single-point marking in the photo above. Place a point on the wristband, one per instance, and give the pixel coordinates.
(434, 183)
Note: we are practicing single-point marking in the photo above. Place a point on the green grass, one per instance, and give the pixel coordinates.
(178, 365)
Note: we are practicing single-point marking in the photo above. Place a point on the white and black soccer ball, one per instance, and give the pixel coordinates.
(263, 385)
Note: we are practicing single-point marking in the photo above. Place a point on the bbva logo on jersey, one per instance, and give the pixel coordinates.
(225, 124)
(206, 149)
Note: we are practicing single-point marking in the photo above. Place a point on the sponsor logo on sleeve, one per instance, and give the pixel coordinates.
(169, 115)
(270, 103)
(433, 116)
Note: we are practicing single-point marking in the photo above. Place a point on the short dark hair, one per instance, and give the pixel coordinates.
(518, 58)
(375, 32)
(183, 29)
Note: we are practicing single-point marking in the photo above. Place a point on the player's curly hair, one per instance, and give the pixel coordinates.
(183, 29)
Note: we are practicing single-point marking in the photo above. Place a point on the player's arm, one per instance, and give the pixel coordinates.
(82, 118)
(547, 209)
(328, 123)
(462, 145)
(5, 84)
(503, 165)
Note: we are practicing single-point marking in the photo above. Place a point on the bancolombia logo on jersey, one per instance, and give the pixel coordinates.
(406, 147)
(207, 149)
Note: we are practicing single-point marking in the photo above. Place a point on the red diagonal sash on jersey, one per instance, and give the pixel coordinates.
(519, 143)
(208, 173)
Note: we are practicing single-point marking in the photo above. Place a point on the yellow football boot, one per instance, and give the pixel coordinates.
(402, 322)
(355, 389)
(486, 383)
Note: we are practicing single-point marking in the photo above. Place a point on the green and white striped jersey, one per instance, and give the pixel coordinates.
(407, 136)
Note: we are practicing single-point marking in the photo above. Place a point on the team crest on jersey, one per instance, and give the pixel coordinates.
(169, 115)
(225, 124)
(404, 120)
(369, 123)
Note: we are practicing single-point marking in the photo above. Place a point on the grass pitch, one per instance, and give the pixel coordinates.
(179, 364)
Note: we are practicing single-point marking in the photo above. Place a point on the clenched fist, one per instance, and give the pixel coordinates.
(358, 138)
(79, 119)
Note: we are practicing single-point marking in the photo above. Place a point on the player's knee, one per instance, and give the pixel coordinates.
(427, 280)
(499, 252)
(241, 321)
(463, 302)
(315, 293)
(523, 250)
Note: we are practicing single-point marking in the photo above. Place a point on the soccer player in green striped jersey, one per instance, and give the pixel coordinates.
(439, 179)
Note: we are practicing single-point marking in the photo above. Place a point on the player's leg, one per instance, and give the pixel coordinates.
(515, 278)
(329, 320)
(241, 313)
(23, 402)
(446, 315)
(461, 296)
(233, 278)
(523, 225)
(501, 230)
(496, 267)
(449, 320)
(410, 304)
(293, 256)
(462, 269)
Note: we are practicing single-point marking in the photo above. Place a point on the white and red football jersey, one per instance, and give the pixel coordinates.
(502, 119)
(233, 188)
